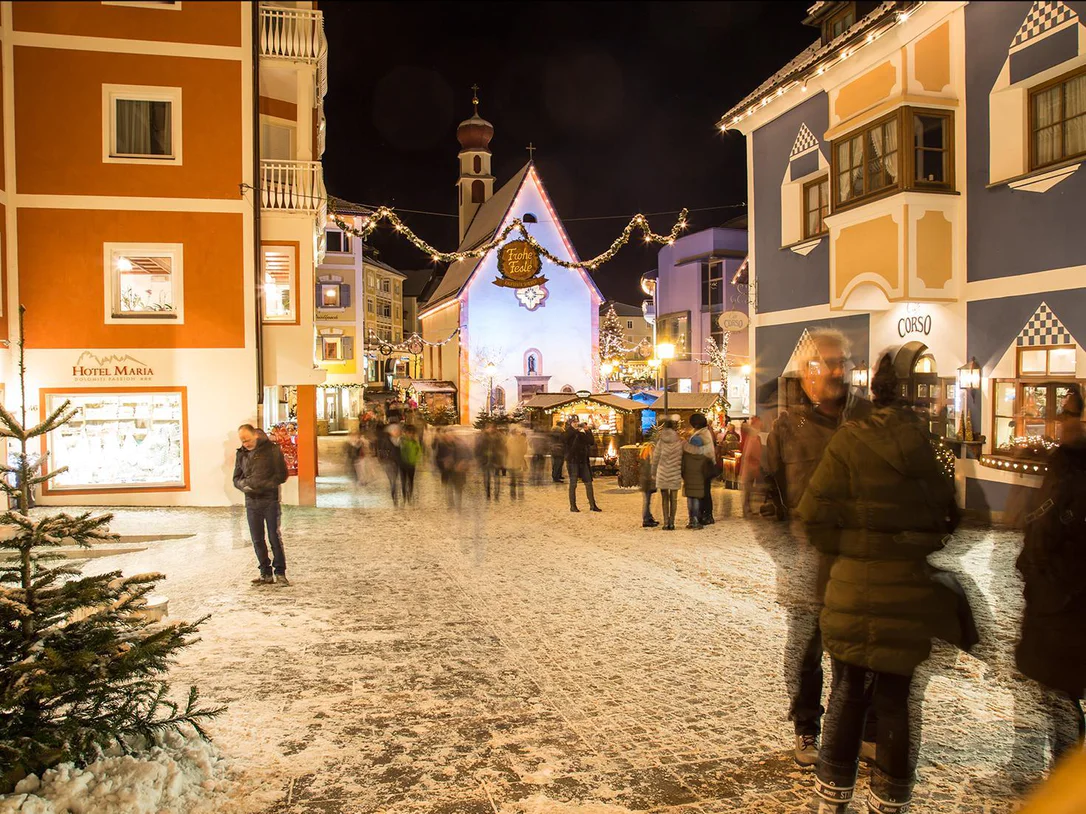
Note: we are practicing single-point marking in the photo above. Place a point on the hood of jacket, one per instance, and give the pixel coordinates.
(668, 438)
(898, 436)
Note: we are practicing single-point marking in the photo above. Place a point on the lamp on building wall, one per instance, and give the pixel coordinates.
(491, 369)
(664, 352)
(969, 376)
(607, 368)
(860, 375)
(654, 366)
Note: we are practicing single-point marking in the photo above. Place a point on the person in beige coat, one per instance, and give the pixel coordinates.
(516, 458)
(667, 469)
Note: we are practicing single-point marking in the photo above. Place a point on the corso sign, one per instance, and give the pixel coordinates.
(914, 325)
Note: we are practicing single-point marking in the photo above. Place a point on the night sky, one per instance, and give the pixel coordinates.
(621, 100)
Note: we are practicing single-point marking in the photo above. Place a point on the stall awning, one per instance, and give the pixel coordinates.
(434, 387)
(686, 401)
(549, 401)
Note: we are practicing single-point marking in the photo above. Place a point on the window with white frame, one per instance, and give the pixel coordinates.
(141, 124)
(144, 282)
(279, 264)
(335, 347)
(333, 293)
(337, 241)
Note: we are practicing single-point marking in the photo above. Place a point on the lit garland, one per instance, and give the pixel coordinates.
(571, 406)
(409, 345)
(639, 222)
(718, 357)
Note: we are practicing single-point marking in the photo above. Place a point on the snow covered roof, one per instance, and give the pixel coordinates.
(344, 207)
(433, 386)
(548, 401)
(686, 401)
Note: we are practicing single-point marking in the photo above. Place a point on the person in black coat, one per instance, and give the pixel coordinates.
(558, 452)
(1052, 646)
(259, 470)
(579, 445)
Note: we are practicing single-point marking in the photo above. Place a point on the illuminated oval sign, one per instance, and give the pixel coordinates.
(519, 265)
(914, 325)
(733, 321)
(582, 394)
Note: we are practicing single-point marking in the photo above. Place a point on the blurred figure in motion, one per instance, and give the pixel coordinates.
(516, 460)
(750, 463)
(667, 469)
(648, 486)
(537, 443)
(453, 459)
(410, 454)
(355, 452)
(490, 453)
(878, 504)
(1052, 646)
(388, 456)
(558, 451)
(794, 448)
(580, 447)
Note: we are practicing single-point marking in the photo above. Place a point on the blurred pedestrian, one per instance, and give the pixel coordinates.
(648, 485)
(1052, 646)
(750, 463)
(410, 455)
(558, 452)
(537, 443)
(580, 448)
(453, 458)
(878, 503)
(794, 448)
(667, 468)
(490, 453)
(703, 443)
(516, 460)
(259, 471)
(388, 456)
(354, 452)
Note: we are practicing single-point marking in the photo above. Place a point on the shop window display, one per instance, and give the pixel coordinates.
(1025, 410)
(119, 440)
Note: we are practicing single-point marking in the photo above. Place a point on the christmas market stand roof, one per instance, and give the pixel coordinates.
(553, 401)
(422, 386)
(685, 401)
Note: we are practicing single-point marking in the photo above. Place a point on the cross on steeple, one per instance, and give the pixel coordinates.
(475, 98)
(531, 151)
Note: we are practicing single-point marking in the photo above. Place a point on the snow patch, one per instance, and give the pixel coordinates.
(541, 804)
(180, 774)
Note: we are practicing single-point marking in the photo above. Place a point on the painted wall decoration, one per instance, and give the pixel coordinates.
(1044, 328)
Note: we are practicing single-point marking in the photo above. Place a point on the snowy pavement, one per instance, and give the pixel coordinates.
(519, 658)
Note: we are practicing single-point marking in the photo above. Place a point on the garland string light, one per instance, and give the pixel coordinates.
(637, 222)
(413, 341)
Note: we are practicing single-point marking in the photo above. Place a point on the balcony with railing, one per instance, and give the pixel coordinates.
(292, 186)
(297, 35)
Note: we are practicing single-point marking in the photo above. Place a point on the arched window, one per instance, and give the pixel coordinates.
(478, 190)
(566, 388)
(499, 398)
(533, 362)
(477, 163)
(529, 218)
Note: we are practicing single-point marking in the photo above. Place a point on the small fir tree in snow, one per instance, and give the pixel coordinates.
(612, 344)
(80, 669)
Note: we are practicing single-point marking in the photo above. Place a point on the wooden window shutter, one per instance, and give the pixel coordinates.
(346, 345)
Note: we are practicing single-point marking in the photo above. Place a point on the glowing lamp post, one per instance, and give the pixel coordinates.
(860, 375)
(607, 368)
(664, 352)
(491, 369)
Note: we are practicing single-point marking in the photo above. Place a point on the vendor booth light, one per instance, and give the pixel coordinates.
(745, 370)
(665, 351)
(607, 368)
(860, 375)
(969, 375)
(654, 363)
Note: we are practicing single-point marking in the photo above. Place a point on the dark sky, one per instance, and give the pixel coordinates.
(620, 98)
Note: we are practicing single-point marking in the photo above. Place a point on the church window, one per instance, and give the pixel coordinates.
(477, 164)
(499, 398)
(567, 388)
(529, 218)
(478, 191)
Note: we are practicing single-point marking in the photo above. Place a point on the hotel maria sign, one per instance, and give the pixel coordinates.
(90, 367)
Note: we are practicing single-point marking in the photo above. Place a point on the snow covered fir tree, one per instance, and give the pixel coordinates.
(612, 346)
(81, 669)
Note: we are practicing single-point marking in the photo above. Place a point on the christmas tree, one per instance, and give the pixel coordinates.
(80, 668)
(612, 345)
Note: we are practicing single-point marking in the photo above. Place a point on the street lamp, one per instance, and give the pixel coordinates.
(654, 366)
(607, 368)
(860, 375)
(664, 352)
(491, 369)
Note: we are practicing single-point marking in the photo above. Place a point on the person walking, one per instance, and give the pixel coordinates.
(878, 504)
(1052, 646)
(388, 456)
(648, 485)
(490, 452)
(750, 463)
(410, 455)
(259, 471)
(696, 468)
(794, 448)
(516, 459)
(667, 469)
(579, 445)
(453, 457)
(703, 442)
(558, 452)
(537, 443)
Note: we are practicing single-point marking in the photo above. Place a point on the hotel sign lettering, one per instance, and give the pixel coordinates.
(519, 265)
(914, 325)
(111, 368)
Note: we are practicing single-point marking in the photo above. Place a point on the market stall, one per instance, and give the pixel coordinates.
(615, 420)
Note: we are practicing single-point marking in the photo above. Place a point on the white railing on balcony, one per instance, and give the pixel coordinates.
(293, 33)
(293, 186)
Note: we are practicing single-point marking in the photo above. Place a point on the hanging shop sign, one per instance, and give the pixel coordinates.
(519, 265)
(733, 321)
(90, 367)
(914, 325)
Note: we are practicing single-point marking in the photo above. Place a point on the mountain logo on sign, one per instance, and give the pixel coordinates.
(90, 365)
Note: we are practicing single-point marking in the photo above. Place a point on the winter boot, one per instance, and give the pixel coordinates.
(281, 579)
(806, 752)
(876, 805)
(649, 524)
(888, 795)
(262, 581)
(832, 799)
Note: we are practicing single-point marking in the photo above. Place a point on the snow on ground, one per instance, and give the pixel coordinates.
(517, 658)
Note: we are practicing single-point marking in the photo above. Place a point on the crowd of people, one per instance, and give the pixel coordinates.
(848, 498)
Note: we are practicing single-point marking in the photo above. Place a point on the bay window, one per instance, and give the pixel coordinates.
(1026, 410)
(1058, 120)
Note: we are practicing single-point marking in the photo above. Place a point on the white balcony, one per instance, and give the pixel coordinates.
(293, 186)
(297, 35)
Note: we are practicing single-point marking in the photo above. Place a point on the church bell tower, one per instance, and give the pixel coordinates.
(476, 183)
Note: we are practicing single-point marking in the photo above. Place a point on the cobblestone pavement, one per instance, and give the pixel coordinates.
(519, 658)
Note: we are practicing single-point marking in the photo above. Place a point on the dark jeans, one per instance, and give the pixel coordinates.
(855, 690)
(707, 501)
(556, 467)
(392, 471)
(803, 670)
(669, 499)
(584, 472)
(693, 508)
(407, 481)
(263, 512)
(646, 507)
(492, 477)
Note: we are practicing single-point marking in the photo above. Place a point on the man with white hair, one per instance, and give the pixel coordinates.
(793, 450)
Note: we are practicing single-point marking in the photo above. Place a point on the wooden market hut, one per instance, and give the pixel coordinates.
(615, 416)
(684, 405)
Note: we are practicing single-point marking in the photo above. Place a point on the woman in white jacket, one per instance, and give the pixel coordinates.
(667, 469)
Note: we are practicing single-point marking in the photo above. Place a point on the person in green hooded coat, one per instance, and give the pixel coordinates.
(878, 504)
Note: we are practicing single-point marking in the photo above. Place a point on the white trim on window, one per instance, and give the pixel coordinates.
(143, 93)
(111, 282)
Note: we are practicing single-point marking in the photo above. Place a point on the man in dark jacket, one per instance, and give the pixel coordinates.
(259, 470)
(579, 446)
(558, 452)
(794, 449)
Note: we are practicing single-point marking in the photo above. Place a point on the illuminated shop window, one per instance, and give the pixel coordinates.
(124, 440)
(1025, 410)
(144, 282)
(333, 294)
(280, 268)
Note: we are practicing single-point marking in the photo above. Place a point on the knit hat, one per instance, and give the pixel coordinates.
(698, 420)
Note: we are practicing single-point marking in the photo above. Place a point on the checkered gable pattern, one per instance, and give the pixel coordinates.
(1043, 16)
(805, 140)
(805, 346)
(1044, 328)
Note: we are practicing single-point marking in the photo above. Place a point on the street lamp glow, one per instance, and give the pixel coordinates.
(665, 351)
(491, 369)
(607, 368)
(745, 370)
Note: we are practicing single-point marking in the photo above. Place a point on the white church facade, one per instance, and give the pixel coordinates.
(503, 345)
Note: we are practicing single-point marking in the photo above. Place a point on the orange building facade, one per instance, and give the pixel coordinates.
(161, 214)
